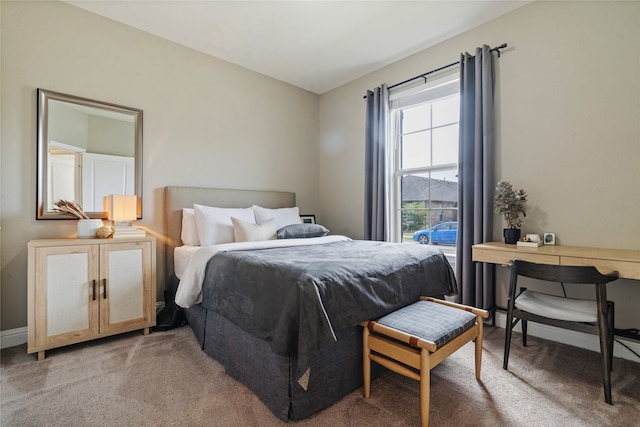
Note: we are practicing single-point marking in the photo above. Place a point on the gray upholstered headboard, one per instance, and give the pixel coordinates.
(177, 198)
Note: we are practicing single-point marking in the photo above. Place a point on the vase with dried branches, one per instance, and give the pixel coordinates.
(87, 227)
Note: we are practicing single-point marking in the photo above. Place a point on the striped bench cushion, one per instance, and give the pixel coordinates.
(430, 321)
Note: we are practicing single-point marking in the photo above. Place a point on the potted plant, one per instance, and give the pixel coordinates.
(510, 204)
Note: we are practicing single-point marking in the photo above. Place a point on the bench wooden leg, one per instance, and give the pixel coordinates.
(366, 363)
(479, 348)
(425, 386)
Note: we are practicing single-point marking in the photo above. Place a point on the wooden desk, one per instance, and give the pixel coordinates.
(625, 262)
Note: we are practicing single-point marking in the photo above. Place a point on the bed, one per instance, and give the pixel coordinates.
(283, 320)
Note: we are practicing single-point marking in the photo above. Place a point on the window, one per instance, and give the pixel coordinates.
(425, 163)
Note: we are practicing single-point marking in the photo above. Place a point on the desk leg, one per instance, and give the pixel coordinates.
(494, 305)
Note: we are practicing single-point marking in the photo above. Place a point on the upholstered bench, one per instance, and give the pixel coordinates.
(414, 339)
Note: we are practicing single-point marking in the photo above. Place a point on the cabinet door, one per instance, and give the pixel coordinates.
(66, 294)
(125, 289)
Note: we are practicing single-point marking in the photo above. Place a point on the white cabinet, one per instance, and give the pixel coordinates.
(82, 289)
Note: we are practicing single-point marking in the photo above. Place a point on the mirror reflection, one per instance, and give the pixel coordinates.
(87, 150)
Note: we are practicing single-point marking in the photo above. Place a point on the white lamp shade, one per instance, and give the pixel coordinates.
(121, 207)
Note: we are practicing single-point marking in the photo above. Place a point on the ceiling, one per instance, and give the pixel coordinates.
(315, 45)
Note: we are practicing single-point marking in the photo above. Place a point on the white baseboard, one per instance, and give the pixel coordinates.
(18, 336)
(13, 337)
(574, 338)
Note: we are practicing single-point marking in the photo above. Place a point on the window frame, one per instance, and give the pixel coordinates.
(441, 87)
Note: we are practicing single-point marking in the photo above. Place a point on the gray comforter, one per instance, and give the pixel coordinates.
(296, 297)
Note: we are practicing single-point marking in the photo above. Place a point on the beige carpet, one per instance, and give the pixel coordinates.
(164, 379)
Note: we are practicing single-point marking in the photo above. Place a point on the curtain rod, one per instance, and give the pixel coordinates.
(424, 75)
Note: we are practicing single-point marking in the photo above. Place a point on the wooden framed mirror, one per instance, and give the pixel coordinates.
(87, 149)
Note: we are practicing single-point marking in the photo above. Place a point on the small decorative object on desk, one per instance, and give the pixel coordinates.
(530, 241)
(549, 238)
(510, 204)
(87, 227)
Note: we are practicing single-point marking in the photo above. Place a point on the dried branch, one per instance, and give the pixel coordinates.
(70, 208)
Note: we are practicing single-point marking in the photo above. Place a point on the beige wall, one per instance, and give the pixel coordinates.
(568, 128)
(206, 122)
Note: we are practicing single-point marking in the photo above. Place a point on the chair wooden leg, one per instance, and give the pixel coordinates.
(523, 324)
(425, 387)
(603, 328)
(513, 278)
(611, 325)
(507, 339)
(479, 348)
(366, 363)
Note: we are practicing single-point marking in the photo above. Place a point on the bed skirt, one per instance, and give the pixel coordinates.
(249, 359)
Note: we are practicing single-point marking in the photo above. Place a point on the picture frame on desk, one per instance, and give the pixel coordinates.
(549, 239)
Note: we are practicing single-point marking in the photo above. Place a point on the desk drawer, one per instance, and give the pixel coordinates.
(506, 257)
(630, 270)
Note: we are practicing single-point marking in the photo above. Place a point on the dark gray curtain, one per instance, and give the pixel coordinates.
(375, 198)
(476, 177)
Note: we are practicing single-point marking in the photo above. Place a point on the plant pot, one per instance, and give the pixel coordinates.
(511, 235)
(88, 228)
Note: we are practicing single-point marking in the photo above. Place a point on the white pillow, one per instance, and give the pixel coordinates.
(189, 234)
(214, 224)
(248, 232)
(282, 216)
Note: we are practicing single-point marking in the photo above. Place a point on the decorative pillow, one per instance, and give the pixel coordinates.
(189, 234)
(214, 224)
(249, 232)
(301, 231)
(282, 216)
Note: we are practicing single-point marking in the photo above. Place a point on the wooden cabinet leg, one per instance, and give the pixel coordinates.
(40, 356)
(145, 331)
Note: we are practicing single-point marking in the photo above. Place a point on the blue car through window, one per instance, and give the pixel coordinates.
(445, 233)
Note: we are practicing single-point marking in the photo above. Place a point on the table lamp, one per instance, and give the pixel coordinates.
(122, 210)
